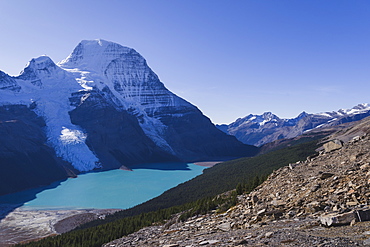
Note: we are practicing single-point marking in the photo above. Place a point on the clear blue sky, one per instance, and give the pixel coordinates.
(230, 58)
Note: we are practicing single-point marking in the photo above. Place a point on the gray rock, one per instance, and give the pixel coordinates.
(326, 175)
(254, 199)
(225, 227)
(367, 241)
(25, 160)
(365, 166)
(363, 214)
(315, 187)
(209, 242)
(335, 219)
(262, 211)
(203, 243)
(332, 145)
(268, 234)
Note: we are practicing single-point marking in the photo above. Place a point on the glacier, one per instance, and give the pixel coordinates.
(48, 87)
(103, 85)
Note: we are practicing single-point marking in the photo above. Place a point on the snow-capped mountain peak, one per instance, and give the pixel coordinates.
(8, 83)
(49, 88)
(94, 55)
(256, 130)
(124, 76)
(100, 80)
(356, 109)
(104, 64)
(38, 68)
(266, 117)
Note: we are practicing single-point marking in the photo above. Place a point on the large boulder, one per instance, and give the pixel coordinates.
(332, 145)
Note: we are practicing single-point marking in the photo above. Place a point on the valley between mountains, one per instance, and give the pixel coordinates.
(317, 194)
(285, 182)
(321, 201)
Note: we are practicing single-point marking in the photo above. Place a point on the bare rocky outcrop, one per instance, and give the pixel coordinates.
(323, 201)
(25, 160)
(332, 145)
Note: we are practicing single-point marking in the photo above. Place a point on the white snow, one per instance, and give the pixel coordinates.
(332, 120)
(94, 55)
(264, 122)
(99, 63)
(93, 64)
(320, 125)
(52, 103)
(70, 136)
(325, 114)
(360, 108)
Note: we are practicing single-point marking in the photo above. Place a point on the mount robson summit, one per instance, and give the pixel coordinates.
(100, 108)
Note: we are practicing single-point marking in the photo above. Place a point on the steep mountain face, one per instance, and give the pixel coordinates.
(115, 136)
(120, 77)
(24, 159)
(102, 108)
(261, 129)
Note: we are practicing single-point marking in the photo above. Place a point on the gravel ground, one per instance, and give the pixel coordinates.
(303, 233)
(24, 225)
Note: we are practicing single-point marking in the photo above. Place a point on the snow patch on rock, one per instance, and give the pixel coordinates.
(48, 87)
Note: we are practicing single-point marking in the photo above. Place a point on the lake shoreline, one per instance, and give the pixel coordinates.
(23, 223)
(207, 163)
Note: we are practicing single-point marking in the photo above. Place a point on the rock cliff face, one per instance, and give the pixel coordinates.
(261, 129)
(25, 160)
(170, 127)
(102, 108)
(115, 136)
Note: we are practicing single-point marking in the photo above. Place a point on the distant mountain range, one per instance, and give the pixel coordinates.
(261, 129)
(100, 108)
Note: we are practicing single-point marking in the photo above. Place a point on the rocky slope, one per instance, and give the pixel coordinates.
(290, 208)
(24, 159)
(100, 108)
(261, 129)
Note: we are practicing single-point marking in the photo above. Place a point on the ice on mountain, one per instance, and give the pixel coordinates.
(8, 83)
(128, 81)
(118, 73)
(72, 136)
(49, 88)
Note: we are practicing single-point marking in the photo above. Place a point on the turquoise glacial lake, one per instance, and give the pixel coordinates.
(108, 189)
